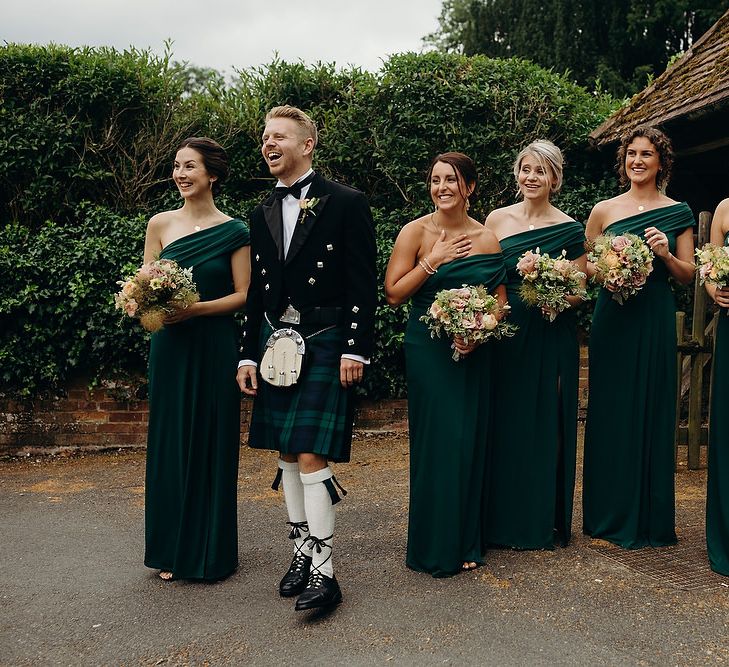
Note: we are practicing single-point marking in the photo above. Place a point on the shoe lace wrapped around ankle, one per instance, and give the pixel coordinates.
(319, 544)
(315, 574)
(296, 528)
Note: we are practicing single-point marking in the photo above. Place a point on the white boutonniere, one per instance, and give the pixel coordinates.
(307, 206)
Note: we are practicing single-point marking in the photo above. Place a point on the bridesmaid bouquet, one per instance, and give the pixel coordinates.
(713, 264)
(548, 282)
(467, 312)
(157, 290)
(622, 264)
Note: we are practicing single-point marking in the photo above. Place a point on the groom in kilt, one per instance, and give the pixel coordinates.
(313, 288)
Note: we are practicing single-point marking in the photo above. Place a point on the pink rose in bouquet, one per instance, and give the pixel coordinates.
(467, 312)
(155, 291)
(527, 262)
(620, 243)
(622, 264)
(546, 282)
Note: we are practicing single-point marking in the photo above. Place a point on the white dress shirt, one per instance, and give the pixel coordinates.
(290, 210)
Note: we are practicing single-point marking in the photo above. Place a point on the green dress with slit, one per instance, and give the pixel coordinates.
(448, 410)
(628, 484)
(534, 434)
(717, 490)
(194, 422)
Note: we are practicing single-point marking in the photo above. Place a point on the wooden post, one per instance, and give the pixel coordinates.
(698, 326)
(711, 329)
(680, 327)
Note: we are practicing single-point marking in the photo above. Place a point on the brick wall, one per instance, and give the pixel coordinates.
(94, 420)
(582, 391)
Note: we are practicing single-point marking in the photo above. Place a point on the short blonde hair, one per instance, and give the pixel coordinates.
(549, 158)
(298, 116)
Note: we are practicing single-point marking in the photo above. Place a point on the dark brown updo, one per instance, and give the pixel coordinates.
(214, 158)
(463, 166)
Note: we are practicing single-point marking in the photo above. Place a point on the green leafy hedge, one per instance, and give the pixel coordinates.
(87, 137)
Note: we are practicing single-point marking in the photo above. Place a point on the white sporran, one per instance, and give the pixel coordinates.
(283, 358)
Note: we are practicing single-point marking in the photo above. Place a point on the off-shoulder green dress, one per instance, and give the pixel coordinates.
(534, 432)
(448, 410)
(194, 422)
(717, 490)
(628, 483)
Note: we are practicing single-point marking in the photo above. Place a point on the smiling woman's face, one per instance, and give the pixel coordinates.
(447, 188)
(642, 161)
(189, 172)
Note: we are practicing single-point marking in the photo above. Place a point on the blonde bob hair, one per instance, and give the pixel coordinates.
(549, 158)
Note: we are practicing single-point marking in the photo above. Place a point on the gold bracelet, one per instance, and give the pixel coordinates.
(425, 268)
(427, 263)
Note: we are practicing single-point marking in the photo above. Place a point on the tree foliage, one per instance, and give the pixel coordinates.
(70, 226)
(621, 43)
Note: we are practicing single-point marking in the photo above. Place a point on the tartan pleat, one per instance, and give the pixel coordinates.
(314, 415)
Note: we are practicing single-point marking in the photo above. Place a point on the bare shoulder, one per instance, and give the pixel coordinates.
(560, 215)
(667, 201)
(161, 220)
(414, 228)
(499, 215)
(601, 215)
(721, 217)
(411, 235)
(486, 241)
(722, 210)
(603, 207)
(604, 210)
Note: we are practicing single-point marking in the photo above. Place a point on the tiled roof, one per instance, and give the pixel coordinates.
(696, 83)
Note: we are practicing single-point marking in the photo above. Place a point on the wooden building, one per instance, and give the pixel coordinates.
(690, 102)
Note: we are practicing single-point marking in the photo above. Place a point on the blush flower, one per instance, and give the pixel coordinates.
(527, 262)
(713, 264)
(157, 290)
(622, 264)
(619, 243)
(468, 313)
(547, 283)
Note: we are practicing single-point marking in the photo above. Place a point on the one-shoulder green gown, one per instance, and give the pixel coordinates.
(717, 490)
(448, 409)
(628, 484)
(194, 422)
(534, 432)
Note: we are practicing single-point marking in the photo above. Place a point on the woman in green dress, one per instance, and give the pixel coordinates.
(194, 420)
(534, 440)
(447, 400)
(717, 491)
(628, 484)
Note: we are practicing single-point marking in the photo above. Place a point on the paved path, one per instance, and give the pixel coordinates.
(73, 590)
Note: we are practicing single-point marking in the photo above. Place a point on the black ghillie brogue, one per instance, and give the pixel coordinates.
(295, 580)
(320, 592)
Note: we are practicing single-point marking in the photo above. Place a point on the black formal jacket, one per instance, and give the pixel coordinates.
(330, 263)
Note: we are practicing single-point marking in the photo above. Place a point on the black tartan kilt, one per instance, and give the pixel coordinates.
(315, 415)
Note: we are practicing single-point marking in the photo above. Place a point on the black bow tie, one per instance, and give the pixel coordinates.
(282, 191)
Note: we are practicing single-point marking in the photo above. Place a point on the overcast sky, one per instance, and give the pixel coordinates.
(227, 34)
